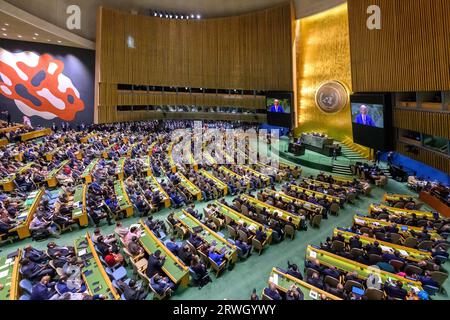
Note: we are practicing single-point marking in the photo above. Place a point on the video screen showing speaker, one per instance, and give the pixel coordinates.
(279, 109)
(371, 115)
(370, 119)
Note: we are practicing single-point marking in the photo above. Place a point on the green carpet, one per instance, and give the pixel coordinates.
(253, 272)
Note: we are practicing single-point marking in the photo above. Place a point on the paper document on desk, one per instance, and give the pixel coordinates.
(82, 252)
(384, 248)
(360, 221)
(313, 254)
(275, 278)
(3, 274)
(403, 252)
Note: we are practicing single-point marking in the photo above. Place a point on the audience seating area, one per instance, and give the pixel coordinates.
(106, 174)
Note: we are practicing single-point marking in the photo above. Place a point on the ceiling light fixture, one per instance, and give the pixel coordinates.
(198, 16)
(5, 35)
(34, 38)
(59, 41)
(36, 34)
(7, 24)
(3, 29)
(19, 36)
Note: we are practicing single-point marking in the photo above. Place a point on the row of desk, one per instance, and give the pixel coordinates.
(219, 184)
(364, 272)
(240, 219)
(404, 230)
(9, 276)
(407, 253)
(400, 212)
(208, 235)
(283, 282)
(93, 272)
(314, 193)
(283, 215)
(312, 207)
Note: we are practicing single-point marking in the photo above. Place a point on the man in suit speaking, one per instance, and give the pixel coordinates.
(363, 118)
(276, 107)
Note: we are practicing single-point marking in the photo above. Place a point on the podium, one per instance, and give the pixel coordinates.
(296, 149)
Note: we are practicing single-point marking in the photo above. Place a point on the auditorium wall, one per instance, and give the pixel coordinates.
(323, 54)
(409, 53)
(247, 52)
(47, 83)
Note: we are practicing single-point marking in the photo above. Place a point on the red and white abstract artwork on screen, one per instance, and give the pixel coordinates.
(38, 86)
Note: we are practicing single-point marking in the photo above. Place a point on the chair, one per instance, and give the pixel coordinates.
(289, 231)
(351, 197)
(217, 268)
(26, 285)
(399, 204)
(118, 274)
(204, 258)
(180, 232)
(219, 223)
(171, 227)
(158, 296)
(396, 238)
(337, 246)
(349, 284)
(316, 220)
(244, 210)
(232, 232)
(264, 296)
(257, 245)
(410, 242)
(439, 277)
(398, 265)
(374, 259)
(418, 206)
(374, 294)
(334, 208)
(367, 190)
(422, 223)
(309, 272)
(412, 269)
(332, 282)
(425, 245)
(191, 247)
(242, 236)
(365, 230)
(383, 216)
(356, 252)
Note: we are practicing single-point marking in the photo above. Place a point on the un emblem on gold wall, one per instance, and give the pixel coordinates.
(331, 97)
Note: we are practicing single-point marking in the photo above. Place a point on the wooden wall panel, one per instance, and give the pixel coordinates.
(251, 51)
(434, 159)
(124, 116)
(428, 122)
(409, 53)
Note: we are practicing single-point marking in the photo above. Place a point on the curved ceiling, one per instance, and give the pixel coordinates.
(54, 11)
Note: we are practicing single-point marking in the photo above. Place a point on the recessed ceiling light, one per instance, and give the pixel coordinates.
(36, 34)
(19, 36)
(6, 24)
(48, 40)
(3, 29)
(34, 38)
(59, 41)
(5, 35)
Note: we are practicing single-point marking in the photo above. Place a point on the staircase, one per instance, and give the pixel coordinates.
(354, 151)
(341, 169)
(351, 154)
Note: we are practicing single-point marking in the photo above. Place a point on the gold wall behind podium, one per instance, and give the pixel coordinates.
(323, 54)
